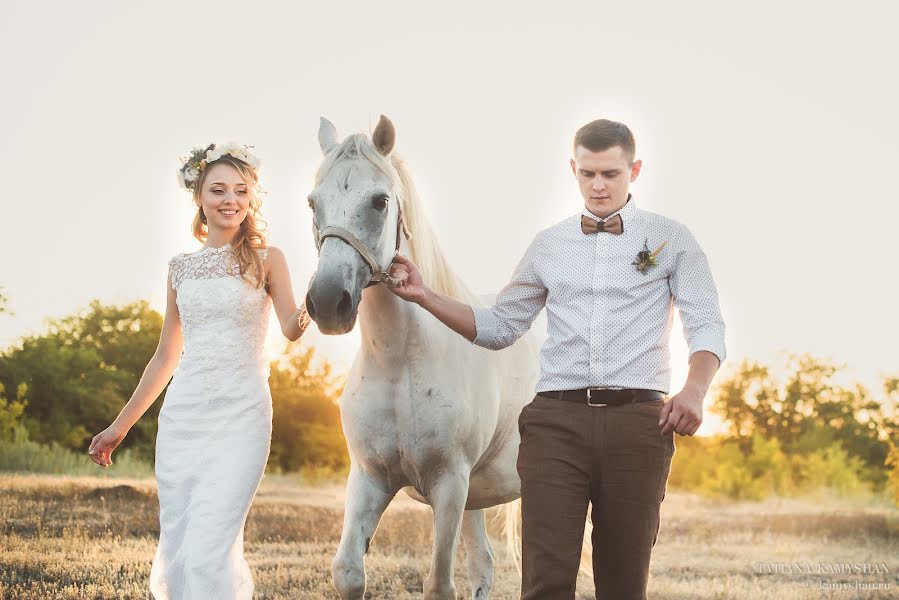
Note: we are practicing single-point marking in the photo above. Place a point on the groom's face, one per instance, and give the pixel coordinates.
(604, 178)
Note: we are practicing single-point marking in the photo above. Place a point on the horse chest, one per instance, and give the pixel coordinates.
(396, 440)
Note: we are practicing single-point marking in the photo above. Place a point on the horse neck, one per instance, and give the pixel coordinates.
(386, 323)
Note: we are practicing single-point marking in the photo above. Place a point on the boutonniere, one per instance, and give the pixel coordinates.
(646, 259)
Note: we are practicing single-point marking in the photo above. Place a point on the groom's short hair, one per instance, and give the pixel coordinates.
(603, 134)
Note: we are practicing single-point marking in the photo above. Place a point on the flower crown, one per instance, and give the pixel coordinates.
(199, 158)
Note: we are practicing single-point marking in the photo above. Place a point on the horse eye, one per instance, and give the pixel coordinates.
(311, 205)
(380, 201)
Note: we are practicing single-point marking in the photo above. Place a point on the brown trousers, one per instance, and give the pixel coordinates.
(572, 454)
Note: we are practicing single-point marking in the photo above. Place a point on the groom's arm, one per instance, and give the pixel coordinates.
(516, 306)
(496, 327)
(454, 314)
(696, 299)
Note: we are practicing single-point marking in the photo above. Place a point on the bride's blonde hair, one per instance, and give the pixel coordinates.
(251, 236)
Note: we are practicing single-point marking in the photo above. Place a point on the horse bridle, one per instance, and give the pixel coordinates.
(378, 275)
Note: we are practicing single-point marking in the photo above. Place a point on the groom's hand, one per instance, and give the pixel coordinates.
(683, 413)
(411, 286)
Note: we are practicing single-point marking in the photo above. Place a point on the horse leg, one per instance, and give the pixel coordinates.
(479, 554)
(447, 498)
(365, 503)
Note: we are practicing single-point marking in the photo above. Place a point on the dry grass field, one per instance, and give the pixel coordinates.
(92, 538)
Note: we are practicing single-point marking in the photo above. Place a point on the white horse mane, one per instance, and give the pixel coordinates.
(424, 249)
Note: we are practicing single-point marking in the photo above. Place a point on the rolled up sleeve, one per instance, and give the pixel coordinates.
(515, 308)
(696, 297)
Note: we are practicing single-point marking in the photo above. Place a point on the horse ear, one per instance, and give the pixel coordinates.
(384, 136)
(327, 135)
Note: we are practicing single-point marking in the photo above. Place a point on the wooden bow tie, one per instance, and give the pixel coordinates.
(613, 225)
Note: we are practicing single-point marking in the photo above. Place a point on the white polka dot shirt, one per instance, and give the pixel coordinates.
(608, 324)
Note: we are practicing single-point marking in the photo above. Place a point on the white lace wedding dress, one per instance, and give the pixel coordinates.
(214, 431)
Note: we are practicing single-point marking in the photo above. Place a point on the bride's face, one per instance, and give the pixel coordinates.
(225, 197)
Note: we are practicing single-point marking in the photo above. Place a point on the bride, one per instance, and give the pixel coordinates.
(216, 422)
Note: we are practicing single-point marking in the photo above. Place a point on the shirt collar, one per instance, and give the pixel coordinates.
(627, 212)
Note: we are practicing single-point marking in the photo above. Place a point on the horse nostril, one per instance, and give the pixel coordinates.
(345, 304)
(310, 307)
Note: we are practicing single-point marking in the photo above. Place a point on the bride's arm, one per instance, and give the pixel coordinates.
(152, 382)
(294, 320)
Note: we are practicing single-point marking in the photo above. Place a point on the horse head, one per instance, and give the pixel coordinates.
(357, 206)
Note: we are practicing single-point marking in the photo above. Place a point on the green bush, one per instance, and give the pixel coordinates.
(694, 460)
(732, 477)
(831, 468)
(769, 466)
(892, 463)
(22, 455)
(721, 468)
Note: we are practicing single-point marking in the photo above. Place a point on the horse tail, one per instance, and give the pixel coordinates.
(510, 517)
(587, 549)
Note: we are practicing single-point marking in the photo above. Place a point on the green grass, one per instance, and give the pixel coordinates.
(26, 456)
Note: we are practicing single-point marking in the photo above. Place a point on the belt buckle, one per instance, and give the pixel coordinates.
(598, 389)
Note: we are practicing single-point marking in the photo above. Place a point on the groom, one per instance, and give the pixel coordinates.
(599, 429)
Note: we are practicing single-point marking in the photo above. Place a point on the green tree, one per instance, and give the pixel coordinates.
(306, 424)
(11, 412)
(3, 302)
(81, 372)
(67, 395)
(125, 338)
(891, 423)
(808, 412)
(892, 464)
(748, 402)
(891, 427)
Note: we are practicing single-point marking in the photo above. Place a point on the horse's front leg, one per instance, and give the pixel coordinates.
(479, 553)
(366, 500)
(447, 498)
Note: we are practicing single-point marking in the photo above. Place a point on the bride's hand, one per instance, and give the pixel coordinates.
(302, 318)
(104, 443)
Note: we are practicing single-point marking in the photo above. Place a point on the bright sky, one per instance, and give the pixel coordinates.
(769, 128)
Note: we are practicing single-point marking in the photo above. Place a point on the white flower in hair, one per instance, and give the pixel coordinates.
(191, 174)
(199, 158)
(188, 176)
(234, 149)
(213, 154)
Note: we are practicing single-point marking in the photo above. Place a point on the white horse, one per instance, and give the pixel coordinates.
(423, 409)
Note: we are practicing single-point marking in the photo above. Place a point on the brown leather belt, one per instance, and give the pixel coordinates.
(610, 396)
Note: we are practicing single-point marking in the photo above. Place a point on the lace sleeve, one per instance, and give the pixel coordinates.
(175, 271)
